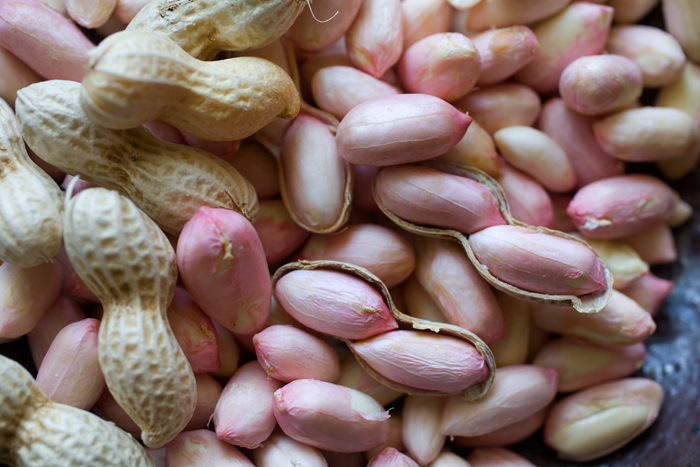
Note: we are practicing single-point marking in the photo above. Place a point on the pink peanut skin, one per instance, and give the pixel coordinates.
(334, 303)
(538, 262)
(63, 312)
(375, 39)
(208, 394)
(200, 447)
(280, 450)
(288, 354)
(579, 30)
(444, 65)
(503, 52)
(70, 373)
(399, 129)
(331, 417)
(475, 149)
(427, 196)
(654, 246)
(194, 332)
(502, 13)
(497, 457)
(310, 35)
(362, 196)
(619, 206)
(222, 263)
(421, 18)
(511, 434)
(14, 75)
(244, 415)
(259, 167)
(649, 292)
(423, 360)
(279, 235)
(390, 457)
(223, 149)
(43, 39)
(529, 202)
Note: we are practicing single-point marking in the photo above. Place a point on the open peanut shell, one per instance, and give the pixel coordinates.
(588, 303)
(473, 393)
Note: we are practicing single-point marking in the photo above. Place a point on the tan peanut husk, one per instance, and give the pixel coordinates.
(472, 393)
(588, 303)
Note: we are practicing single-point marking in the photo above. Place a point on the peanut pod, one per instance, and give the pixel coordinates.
(591, 302)
(474, 392)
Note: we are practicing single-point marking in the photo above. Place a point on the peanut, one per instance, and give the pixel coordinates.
(128, 262)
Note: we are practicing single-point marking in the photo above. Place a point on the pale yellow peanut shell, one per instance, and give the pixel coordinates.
(473, 393)
(128, 262)
(169, 182)
(31, 204)
(137, 76)
(204, 28)
(589, 303)
(35, 432)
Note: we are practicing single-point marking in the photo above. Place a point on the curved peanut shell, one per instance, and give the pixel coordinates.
(169, 182)
(589, 303)
(31, 204)
(472, 393)
(36, 432)
(128, 262)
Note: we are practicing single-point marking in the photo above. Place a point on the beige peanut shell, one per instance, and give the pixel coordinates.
(473, 393)
(589, 303)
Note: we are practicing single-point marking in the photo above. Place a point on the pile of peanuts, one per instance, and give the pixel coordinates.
(382, 233)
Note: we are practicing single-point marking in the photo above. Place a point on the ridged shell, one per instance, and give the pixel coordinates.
(128, 262)
(169, 182)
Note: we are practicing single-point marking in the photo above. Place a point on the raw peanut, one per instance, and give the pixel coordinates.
(138, 76)
(684, 93)
(497, 457)
(444, 65)
(529, 202)
(335, 54)
(31, 211)
(426, 196)
(76, 184)
(259, 167)
(503, 52)
(517, 392)
(537, 261)
(511, 434)
(108, 409)
(631, 11)
(447, 458)
(312, 35)
(203, 28)
(288, 354)
(421, 427)
(72, 285)
(334, 303)
(580, 364)
(447, 275)
(655, 246)
(658, 54)
(511, 349)
(229, 352)
(621, 322)
(503, 13)
(316, 184)
(128, 262)
(461, 5)
(39, 432)
(399, 129)
(649, 134)
(395, 439)
(619, 206)
(244, 414)
(591, 423)
(14, 75)
(502, 105)
(90, 13)
(538, 155)
(222, 263)
(222, 149)
(26, 294)
(381, 251)
(47, 42)
(63, 312)
(279, 234)
(338, 89)
(56, 5)
(390, 457)
(678, 19)
(157, 456)
(624, 262)
(419, 303)
(580, 29)
(281, 450)
(200, 447)
(423, 360)
(331, 417)
(562, 221)
(165, 131)
(538, 338)
(125, 10)
(208, 394)
(70, 373)
(574, 133)
(169, 182)
(353, 376)
(599, 84)
(194, 332)
(649, 292)
(421, 18)
(362, 195)
(375, 39)
(475, 149)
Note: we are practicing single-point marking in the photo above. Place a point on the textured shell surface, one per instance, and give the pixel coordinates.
(127, 261)
(169, 182)
(31, 204)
